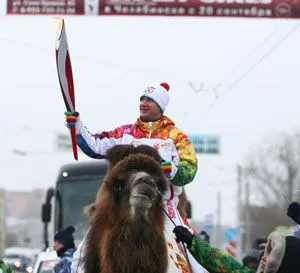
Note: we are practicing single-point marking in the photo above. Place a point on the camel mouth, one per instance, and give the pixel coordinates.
(142, 196)
(144, 192)
(143, 200)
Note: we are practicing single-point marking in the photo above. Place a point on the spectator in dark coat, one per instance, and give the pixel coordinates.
(204, 236)
(260, 243)
(293, 211)
(65, 247)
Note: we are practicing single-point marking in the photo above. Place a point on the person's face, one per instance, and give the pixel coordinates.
(149, 110)
(57, 245)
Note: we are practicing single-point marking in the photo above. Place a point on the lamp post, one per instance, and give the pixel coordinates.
(240, 224)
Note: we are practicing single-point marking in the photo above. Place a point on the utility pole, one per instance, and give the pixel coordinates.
(247, 217)
(2, 221)
(240, 227)
(218, 227)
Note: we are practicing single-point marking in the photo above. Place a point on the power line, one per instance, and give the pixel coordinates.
(268, 37)
(250, 69)
(220, 82)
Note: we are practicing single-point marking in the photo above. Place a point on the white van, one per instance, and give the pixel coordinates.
(20, 259)
(46, 262)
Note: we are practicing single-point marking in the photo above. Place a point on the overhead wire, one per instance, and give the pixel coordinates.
(248, 56)
(240, 64)
(250, 69)
(220, 82)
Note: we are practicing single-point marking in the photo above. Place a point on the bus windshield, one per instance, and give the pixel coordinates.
(74, 193)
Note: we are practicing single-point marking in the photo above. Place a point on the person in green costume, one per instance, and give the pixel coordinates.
(212, 259)
(281, 254)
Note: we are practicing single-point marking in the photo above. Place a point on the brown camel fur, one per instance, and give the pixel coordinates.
(117, 154)
(126, 228)
(183, 205)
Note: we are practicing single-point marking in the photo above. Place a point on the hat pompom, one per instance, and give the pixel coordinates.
(165, 85)
(65, 236)
(70, 229)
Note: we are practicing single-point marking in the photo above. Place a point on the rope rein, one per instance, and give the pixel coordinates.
(184, 247)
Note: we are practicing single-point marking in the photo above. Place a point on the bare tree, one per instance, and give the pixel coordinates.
(262, 221)
(273, 170)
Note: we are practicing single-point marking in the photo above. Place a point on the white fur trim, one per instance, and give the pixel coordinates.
(274, 251)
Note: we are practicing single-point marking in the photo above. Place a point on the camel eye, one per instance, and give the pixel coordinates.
(118, 187)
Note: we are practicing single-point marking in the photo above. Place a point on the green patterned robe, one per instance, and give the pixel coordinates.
(215, 260)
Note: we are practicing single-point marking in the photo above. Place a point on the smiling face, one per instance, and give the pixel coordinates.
(149, 109)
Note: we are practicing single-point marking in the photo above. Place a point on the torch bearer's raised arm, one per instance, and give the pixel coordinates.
(65, 76)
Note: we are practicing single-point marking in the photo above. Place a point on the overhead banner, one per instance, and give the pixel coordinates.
(201, 8)
(43, 7)
(206, 8)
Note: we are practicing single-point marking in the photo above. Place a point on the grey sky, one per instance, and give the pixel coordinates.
(114, 58)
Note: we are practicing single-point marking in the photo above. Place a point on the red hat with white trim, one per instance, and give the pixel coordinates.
(159, 94)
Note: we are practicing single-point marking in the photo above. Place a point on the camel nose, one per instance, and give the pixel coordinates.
(145, 180)
(148, 180)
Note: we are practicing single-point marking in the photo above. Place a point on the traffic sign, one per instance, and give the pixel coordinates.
(63, 142)
(208, 221)
(205, 144)
(231, 234)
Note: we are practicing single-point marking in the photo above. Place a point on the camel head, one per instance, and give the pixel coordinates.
(134, 180)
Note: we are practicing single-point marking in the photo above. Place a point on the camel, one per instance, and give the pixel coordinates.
(126, 225)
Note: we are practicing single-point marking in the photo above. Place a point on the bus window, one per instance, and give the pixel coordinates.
(73, 194)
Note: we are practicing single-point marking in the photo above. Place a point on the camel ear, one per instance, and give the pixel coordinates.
(89, 209)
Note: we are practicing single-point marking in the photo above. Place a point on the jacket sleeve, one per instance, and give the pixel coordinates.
(76, 265)
(96, 145)
(214, 259)
(188, 163)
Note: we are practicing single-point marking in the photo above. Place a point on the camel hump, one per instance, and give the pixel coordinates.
(119, 152)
